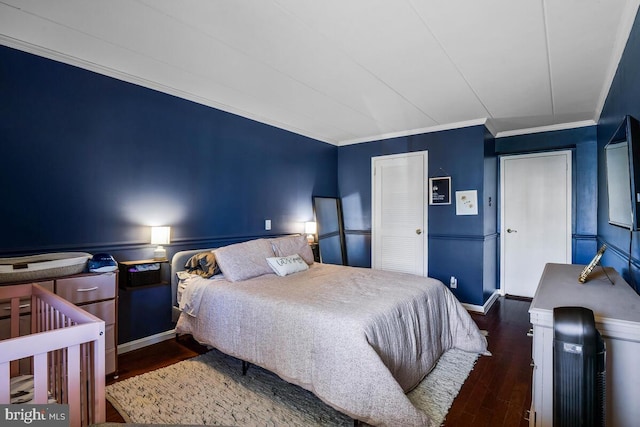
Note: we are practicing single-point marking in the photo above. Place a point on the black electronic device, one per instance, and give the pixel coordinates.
(578, 369)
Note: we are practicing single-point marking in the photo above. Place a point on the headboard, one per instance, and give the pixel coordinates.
(177, 264)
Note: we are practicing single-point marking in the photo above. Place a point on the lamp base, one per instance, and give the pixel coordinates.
(160, 254)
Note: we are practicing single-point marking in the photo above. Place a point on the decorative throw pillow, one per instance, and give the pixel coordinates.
(203, 264)
(291, 245)
(243, 261)
(285, 265)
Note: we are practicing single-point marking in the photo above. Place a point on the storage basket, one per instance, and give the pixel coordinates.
(142, 278)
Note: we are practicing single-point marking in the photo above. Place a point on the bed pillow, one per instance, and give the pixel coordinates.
(203, 264)
(291, 245)
(286, 265)
(243, 261)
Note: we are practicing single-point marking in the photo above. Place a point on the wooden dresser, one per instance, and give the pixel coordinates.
(95, 293)
(617, 315)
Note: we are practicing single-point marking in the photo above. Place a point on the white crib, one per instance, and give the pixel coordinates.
(57, 343)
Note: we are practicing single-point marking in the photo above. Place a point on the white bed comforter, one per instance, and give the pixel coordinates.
(357, 338)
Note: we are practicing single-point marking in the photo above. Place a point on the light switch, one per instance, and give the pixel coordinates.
(267, 224)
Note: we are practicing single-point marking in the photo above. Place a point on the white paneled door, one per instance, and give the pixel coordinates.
(399, 229)
(535, 218)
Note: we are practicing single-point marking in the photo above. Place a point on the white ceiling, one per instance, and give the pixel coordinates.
(347, 71)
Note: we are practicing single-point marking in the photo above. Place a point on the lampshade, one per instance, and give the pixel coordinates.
(310, 231)
(310, 227)
(160, 235)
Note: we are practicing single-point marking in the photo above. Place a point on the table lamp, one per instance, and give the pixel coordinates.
(160, 236)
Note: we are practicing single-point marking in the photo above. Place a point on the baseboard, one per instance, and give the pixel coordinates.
(143, 342)
(483, 309)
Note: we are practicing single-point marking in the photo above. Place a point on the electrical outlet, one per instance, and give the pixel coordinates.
(453, 282)
(267, 224)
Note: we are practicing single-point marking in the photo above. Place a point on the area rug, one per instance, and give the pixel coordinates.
(210, 390)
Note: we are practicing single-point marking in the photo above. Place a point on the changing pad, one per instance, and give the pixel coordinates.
(42, 266)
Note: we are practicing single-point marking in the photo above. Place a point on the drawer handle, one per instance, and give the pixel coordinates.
(87, 289)
(20, 306)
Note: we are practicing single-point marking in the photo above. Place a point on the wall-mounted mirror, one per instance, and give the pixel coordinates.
(331, 241)
(622, 158)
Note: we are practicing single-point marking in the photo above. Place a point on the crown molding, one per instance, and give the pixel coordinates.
(549, 128)
(418, 131)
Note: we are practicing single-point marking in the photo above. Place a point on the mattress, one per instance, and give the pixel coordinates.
(43, 266)
(22, 390)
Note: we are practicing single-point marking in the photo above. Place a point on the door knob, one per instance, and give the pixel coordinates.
(509, 230)
(418, 231)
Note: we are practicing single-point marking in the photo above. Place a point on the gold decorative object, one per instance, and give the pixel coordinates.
(589, 268)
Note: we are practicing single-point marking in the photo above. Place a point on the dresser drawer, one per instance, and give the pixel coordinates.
(110, 337)
(25, 329)
(110, 359)
(87, 288)
(25, 304)
(105, 310)
(5, 327)
(110, 350)
(48, 285)
(5, 308)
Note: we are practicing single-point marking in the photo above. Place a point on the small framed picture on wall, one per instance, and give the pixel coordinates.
(467, 202)
(440, 190)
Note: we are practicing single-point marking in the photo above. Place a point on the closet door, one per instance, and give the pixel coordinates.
(399, 223)
(536, 218)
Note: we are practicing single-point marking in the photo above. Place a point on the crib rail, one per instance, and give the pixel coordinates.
(65, 350)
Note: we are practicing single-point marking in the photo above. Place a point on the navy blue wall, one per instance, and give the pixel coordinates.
(583, 144)
(464, 154)
(623, 99)
(89, 162)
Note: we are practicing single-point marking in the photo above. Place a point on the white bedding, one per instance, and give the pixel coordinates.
(357, 338)
(190, 290)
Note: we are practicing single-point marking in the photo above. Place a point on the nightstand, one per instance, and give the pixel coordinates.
(142, 273)
(144, 303)
(316, 251)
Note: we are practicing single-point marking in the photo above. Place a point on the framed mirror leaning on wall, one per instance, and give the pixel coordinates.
(331, 241)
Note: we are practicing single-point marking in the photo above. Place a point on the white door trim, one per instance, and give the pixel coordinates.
(569, 156)
(425, 195)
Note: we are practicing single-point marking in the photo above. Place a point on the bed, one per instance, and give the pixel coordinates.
(51, 352)
(358, 338)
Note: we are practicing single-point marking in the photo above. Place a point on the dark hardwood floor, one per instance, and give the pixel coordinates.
(497, 392)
